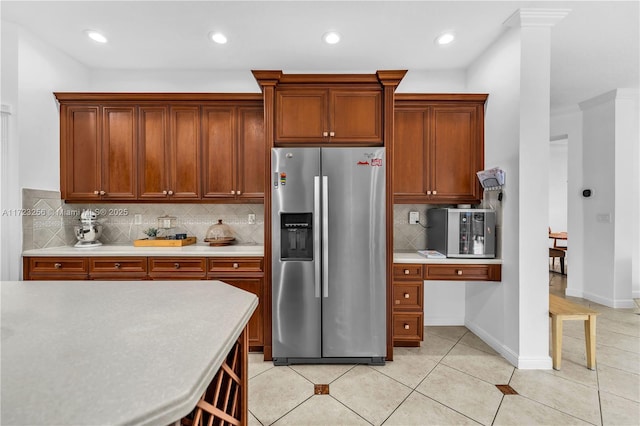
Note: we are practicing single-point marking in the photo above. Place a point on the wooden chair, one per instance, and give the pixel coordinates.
(559, 253)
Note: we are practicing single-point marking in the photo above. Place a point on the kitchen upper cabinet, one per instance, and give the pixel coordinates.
(162, 147)
(98, 152)
(330, 115)
(233, 152)
(169, 144)
(438, 148)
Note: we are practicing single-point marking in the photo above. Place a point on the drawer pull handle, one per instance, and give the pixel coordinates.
(176, 265)
(117, 265)
(406, 295)
(57, 265)
(406, 326)
(459, 271)
(406, 272)
(236, 266)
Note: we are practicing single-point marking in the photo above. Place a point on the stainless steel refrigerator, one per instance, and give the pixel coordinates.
(328, 255)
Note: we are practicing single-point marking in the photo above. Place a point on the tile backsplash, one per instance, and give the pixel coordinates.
(49, 222)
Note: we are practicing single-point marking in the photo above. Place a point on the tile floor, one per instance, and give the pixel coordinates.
(451, 380)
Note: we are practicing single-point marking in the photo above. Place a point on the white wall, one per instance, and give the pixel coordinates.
(492, 309)
(610, 124)
(31, 71)
(569, 122)
(558, 184)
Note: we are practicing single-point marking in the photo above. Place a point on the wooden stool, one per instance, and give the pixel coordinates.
(560, 310)
(560, 253)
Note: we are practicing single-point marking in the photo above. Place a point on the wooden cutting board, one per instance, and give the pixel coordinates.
(164, 243)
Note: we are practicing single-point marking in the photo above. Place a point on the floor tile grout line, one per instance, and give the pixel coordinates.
(553, 408)
(444, 405)
(285, 414)
(350, 409)
(494, 353)
(471, 375)
(495, 416)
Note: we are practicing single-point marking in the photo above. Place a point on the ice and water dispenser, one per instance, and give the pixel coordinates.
(296, 236)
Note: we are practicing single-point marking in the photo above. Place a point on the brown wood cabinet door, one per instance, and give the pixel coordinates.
(80, 159)
(256, 324)
(153, 176)
(355, 116)
(218, 151)
(456, 154)
(119, 156)
(301, 115)
(251, 153)
(411, 154)
(184, 152)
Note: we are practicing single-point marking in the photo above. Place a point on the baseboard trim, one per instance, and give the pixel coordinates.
(612, 303)
(523, 363)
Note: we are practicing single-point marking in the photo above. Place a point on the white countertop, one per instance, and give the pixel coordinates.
(109, 352)
(195, 250)
(413, 257)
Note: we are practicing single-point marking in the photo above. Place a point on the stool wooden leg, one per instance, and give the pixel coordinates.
(556, 341)
(590, 338)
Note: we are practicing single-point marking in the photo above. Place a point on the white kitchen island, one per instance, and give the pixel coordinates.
(104, 352)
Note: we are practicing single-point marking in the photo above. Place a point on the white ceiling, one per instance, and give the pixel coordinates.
(593, 50)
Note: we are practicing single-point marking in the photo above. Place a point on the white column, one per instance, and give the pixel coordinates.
(535, 81)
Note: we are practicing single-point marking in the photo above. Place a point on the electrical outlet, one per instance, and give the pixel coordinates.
(137, 219)
(414, 218)
(252, 219)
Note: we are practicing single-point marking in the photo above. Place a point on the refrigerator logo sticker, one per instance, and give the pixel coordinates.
(283, 179)
(363, 163)
(376, 162)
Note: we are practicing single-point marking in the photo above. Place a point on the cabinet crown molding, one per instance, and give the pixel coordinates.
(154, 97)
(276, 77)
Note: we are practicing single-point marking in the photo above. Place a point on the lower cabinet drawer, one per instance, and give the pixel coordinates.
(188, 268)
(451, 272)
(118, 268)
(408, 296)
(234, 265)
(408, 327)
(52, 268)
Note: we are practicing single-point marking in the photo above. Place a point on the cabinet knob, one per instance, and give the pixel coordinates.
(57, 265)
(434, 192)
(236, 266)
(117, 265)
(233, 192)
(102, 193)
(239, 192)
(96, 192)
(406, 295)
(397, 302)
(170, 192)
(406, 326)
(406, 272)
(459, 271)
(428, 192)
(164, 193)
(325, 134)
(176, 265)
(332, 134)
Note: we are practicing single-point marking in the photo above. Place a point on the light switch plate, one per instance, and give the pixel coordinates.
(251, 219)
(137, 219)
(414, 218)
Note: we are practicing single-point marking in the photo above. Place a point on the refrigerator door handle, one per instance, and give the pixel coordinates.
(325, 236)
(316, 233)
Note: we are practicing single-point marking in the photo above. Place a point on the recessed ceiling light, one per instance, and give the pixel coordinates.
(331, 37)
(218, 38)
(96, 36)
(445, 38)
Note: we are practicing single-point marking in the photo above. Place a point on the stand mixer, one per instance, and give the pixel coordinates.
(89, 230)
